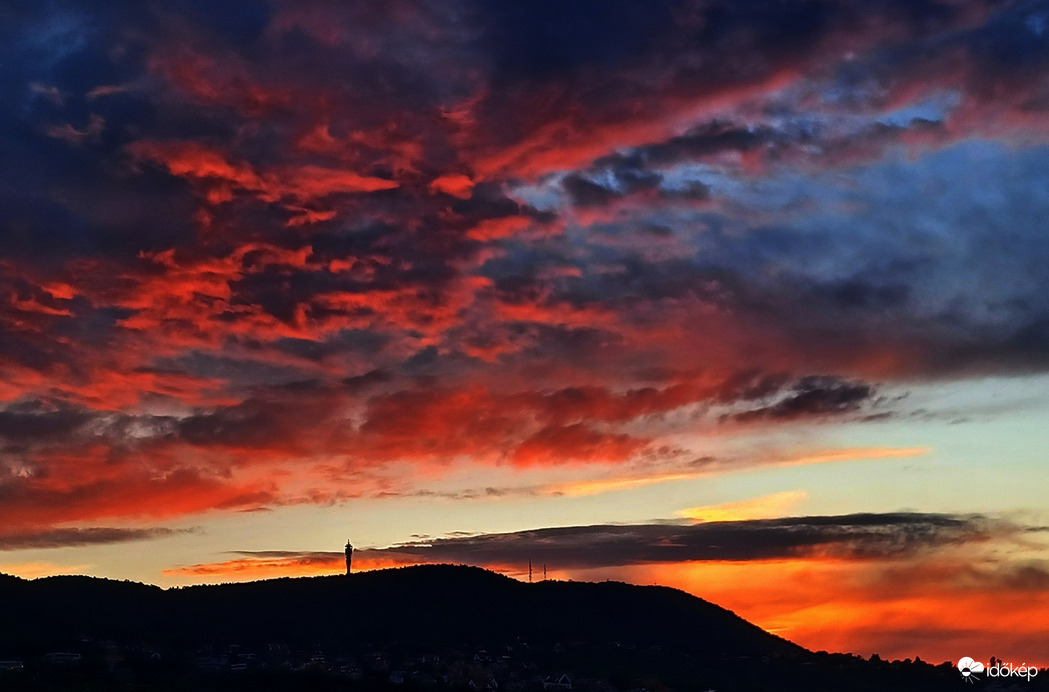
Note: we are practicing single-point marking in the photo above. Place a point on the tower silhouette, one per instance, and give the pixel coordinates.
(349, 555)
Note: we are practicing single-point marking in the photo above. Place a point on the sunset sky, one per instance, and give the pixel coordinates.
(749, 298)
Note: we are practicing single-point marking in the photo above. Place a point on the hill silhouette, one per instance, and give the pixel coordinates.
(415, 627)
(428, 604)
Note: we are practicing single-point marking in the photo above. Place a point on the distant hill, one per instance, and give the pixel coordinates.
(359, 629)
(428, 604)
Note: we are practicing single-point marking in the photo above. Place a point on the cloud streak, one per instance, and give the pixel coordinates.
(76, 537)
(854, 537)
(858, 536)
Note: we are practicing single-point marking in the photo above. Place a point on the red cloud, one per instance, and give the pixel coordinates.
(51, 500)
(572, 137)
(576, 442)
(505, 334)
(301, 184)
(224, 81)
(494, 229)
(455, 185)
(528, 427)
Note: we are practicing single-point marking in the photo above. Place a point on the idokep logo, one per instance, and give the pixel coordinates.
(969, 668)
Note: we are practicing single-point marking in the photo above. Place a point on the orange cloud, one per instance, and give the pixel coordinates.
(289, 564)
(606, 485)
(764, 507)
(770, 505)
(250, 569)
(856, 453)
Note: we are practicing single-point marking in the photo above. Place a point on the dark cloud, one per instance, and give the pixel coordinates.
(627, 181)
(856, 295)
(549, 38)
(854, 536)
(1011, 47)
(748, 386)
(36, 423)
(1031, 576)
(284, 418)
(67, 538)
(585, 193)
(699, 143)
(812, 396)
(241, 23)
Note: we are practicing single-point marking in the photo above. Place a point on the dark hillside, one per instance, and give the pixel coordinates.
(425, 627)
(431, 605)
(442, 604)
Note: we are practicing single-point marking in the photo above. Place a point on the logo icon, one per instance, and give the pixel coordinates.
(969, 668)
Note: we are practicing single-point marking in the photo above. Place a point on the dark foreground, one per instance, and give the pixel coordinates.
(420, 628)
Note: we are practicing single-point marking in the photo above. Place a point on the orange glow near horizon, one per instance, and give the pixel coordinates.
(253, 568)
(37, 570)
(851, 606)
(894, 608)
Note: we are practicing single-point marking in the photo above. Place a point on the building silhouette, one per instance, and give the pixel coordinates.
(349, 556)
